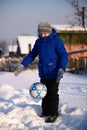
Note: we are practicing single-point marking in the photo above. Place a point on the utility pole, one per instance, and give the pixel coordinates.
(83, 17)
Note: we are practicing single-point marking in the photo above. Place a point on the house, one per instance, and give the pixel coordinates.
(72, 34)
(25, 44)
(12, 49)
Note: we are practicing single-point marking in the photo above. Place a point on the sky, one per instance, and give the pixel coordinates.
(19, 17)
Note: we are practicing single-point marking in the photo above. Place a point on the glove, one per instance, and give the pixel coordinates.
(19, 69)
(60, 74)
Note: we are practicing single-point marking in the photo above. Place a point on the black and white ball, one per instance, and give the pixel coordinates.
(38, 90)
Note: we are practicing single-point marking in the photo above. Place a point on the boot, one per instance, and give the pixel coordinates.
(51, 119)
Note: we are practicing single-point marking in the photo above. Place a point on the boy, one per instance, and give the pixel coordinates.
(52, 63)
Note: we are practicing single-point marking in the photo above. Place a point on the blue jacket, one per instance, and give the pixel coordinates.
(52, 56)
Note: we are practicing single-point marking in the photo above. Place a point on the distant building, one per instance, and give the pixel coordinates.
(12, 48)
(72, 34)
(25, 44)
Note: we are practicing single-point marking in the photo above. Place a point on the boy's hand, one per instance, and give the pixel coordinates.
(60, 74)
(19, 69)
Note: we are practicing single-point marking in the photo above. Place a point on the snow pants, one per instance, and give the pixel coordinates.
(51, 101)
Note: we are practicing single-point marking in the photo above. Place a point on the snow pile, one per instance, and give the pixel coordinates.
(18, 111)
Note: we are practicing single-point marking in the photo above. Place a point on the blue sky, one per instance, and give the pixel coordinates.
(22, 16)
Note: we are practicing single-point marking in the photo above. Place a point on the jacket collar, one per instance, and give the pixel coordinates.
(51, 36)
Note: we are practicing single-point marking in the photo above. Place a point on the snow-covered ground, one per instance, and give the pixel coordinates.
(18, 111)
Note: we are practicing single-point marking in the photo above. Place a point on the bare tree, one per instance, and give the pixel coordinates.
(3, 46)
(80, 15)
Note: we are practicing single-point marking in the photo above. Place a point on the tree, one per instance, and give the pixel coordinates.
(3, 47)
(80, 15)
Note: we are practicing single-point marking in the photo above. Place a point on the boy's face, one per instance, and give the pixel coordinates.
(44, 34)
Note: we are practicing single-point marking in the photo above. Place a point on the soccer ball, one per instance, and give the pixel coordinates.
(38, 90)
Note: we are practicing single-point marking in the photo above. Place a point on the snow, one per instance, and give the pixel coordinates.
(18, 111)
(68, 28)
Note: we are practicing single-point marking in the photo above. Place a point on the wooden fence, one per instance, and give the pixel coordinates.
(78, 65)
(10, 64)
(75, 65)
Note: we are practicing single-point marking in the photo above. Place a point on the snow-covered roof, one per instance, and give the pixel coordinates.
(66, 28)
(12, 48)
(24, 42)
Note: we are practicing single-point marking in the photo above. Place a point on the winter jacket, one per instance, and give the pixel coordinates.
(52, 55)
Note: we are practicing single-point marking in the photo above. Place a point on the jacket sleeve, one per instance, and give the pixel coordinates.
(30, 57)
(62, 54)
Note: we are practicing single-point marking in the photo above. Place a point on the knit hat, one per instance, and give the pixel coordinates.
(44, 27)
